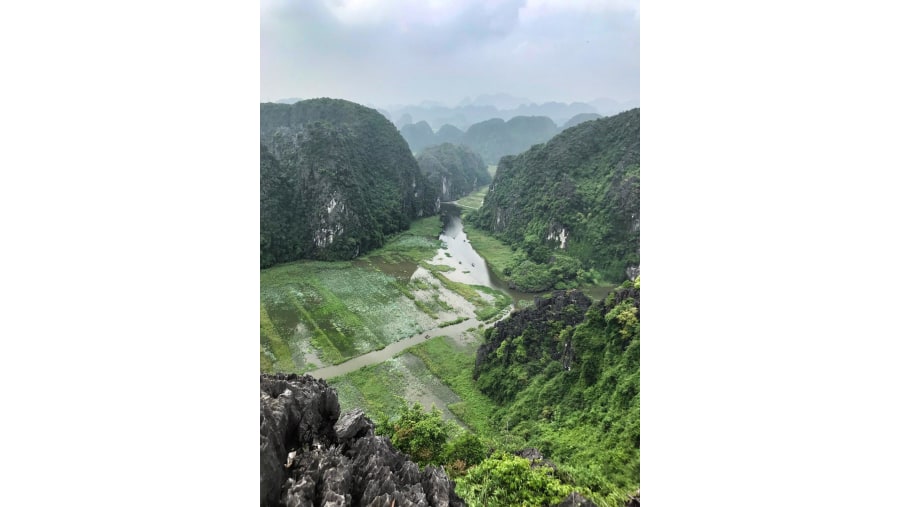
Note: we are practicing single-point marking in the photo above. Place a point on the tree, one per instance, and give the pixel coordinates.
(420, 434)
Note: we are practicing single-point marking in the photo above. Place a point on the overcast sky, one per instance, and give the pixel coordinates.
(405, 51)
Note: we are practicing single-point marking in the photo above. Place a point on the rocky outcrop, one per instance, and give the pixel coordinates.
(634, 500)
(536, 323)
(576, 500)
(310, 455)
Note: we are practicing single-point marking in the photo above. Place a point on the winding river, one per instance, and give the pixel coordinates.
(470, 268)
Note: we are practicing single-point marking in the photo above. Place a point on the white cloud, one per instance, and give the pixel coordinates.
(534, 10)
(402, 12)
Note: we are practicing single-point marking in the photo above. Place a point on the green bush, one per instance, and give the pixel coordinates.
(420, 434)
(503, 479)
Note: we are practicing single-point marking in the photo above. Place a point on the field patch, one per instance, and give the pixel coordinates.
(382, 389)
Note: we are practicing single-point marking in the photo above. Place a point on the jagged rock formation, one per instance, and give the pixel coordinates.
(310, 455)
(533, 324)
(454, 170)
(634, 500)
(336, 179)
(576, 500)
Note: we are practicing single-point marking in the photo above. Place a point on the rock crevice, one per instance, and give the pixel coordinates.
(311, 455)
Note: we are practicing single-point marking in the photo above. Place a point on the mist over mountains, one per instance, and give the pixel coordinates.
(470, 111)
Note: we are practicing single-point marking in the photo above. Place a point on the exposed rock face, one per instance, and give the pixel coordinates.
(336, 179)
(576, 500)
(455, 170)
(634, 500)
(566, 307)
(309, 456)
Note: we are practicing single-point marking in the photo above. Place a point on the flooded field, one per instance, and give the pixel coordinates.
(380, 327)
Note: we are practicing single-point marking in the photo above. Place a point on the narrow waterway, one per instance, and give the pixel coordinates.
(472, 269)
(391, 350)
(468, 267)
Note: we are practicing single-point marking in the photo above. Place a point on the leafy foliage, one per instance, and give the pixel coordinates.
(571, 205)
(425, 436)
(335, 180)
(420, 434)
(504, 479)
(584, 412)
(466, 448)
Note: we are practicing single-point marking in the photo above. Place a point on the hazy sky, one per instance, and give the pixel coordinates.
(406, 51)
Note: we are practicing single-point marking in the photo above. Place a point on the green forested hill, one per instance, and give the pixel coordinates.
(454, 170)
(566, 376)
(578, 119)
(335, 179)
(448, 134)
(571, 206)
(418, 136)
(495, 138)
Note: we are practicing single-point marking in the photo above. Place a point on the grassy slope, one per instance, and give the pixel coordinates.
(454, 367)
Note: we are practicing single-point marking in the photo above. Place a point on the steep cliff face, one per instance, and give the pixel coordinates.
(577, 195)
(454, 170)
(335, 179)
(310, 455)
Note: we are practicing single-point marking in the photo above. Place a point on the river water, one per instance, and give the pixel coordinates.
(469, 268)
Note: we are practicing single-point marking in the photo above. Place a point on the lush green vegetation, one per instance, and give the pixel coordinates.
(579, 119)
(455, 170)
(417, 244)
(331, 312)
(420, 434)
(570, 207)
(453, 365)
(336, 179)
(566, 383)
(504, 479)
(484, 309)
(474, 200)
(585, 415)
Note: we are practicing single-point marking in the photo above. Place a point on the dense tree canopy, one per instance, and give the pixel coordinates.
(335, 179)
(568, 383)
(571, 205)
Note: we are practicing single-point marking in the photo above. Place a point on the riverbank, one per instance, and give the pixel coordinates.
(319, 314)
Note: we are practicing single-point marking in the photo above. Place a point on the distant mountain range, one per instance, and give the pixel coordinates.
(470, 111)
(503, 106)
